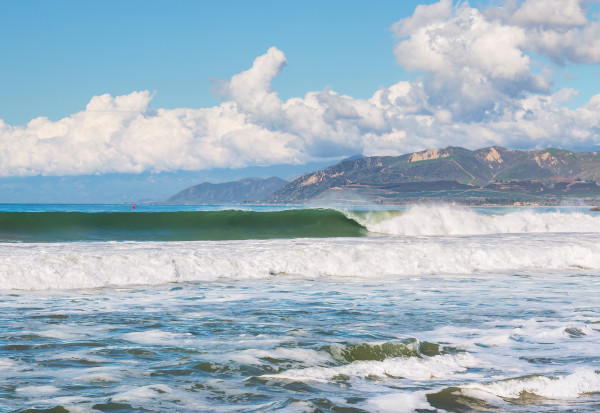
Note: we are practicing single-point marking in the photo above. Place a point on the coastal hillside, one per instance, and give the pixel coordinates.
(242, 191)
(493, 174)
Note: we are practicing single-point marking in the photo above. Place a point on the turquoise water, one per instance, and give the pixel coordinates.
(462, 311)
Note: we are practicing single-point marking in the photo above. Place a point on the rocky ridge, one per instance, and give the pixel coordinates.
(483, 173)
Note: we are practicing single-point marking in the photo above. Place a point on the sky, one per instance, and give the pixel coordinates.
(148, 97)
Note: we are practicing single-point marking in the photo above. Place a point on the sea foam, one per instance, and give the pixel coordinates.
(573, 385)
(423, 220)
(399, 402)
(92, 265)
(413, 368)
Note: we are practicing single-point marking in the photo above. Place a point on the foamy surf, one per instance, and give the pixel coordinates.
(442, 309)
(306, 344)
(528, 393)
(412, 368)
(443, 220)
(582, 381)
(405, 402)
(91, 265)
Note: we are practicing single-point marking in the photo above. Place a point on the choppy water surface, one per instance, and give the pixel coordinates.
(491, 342)
(431, 309)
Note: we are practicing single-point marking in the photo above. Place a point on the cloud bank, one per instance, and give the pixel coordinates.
(478, 85)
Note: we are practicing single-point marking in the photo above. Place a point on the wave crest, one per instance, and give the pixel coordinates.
(580, 382)
(448, 220)
(91, 265)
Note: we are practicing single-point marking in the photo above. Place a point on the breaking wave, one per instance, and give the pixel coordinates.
(35, 266)
(447, 220)
(573, 385)
(288, 223)
(408, 359)
(176, 226)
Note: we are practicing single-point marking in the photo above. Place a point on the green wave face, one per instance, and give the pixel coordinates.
(176, 226)
(380, 352)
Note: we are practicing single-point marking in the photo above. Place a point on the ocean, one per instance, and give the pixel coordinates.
(430, 308)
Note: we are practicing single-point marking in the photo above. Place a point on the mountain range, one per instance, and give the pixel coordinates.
(248, 190)
(493, 175)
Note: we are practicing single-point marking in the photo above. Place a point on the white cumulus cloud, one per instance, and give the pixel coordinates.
(476, 88)
(471, 63)
(562, 30)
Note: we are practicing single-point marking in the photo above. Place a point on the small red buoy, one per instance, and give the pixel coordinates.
(133, 207)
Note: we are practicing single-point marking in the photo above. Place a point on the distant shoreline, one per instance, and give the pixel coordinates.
(403, 205)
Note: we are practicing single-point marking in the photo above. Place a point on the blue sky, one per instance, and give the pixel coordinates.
(59, 54)
(153, 96)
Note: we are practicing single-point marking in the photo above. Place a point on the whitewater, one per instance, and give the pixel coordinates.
(428, 308)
